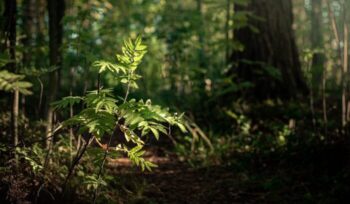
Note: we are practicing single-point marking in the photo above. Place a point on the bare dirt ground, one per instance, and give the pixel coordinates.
(291, 181)
(177, 182)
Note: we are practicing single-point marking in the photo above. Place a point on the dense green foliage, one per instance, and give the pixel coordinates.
(103, 114)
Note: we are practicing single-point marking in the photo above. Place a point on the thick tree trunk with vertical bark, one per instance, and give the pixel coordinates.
(40, 27)
(28, 29)
(317, 43)
(28, 19)
(273, 46)
(9, 31)
(56, 13)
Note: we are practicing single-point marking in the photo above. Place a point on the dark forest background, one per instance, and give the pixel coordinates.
(181, 101)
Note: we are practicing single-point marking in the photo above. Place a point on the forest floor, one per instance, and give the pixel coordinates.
(321, 175)
(177, 182)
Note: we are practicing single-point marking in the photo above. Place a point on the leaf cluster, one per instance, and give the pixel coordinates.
(105, 115)
(14, 82)
(128, 61)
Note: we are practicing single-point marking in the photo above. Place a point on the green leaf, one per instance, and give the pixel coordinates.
(13, 82)
(66, 102)
(155, 132)
(108, 66)
(124, 80)
(182, 127)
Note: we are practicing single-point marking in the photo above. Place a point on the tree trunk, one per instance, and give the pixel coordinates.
(318, 69)
(273, 47)
(56, 12)
(27, 40)
(345, 78)
(40, 42)
(40, 17)
(201, 32)
(227, 31)
(316, 43)
(10, 44)
(28, 29)
(40, 30)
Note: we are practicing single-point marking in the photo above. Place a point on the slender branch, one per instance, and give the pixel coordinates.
(98, 82)
(75, 162)
(227, 30)
(171, 136)
(41, 92)
(71, 134)
(345, 73)
(128, 88)
(311, 101)
(333, 22)
(103, 163)
(324, 102)
(46, 162)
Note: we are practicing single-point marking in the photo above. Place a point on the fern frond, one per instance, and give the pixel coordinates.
(13, 82)
(67, 102)
(105, 65)
(37, 72)
(102, 100)
(135, 155)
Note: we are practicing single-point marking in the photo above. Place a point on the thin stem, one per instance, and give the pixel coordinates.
(333, 22)
(76, 160)
(46, 162)
(14, 122)
(324, 102)
(128, 88)
(98, 82)
(71, 114)
(41, 92)
(227, 30)
(345, 71)
(312, 96)
(170, 135)
(103, 163)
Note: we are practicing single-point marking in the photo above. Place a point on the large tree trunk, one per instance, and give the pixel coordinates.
(272, 47)
(10, 43)
(40, 42)
(56, 13)
(29, 30)
(28, 19)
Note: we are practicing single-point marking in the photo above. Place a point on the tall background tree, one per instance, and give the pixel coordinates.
(316, 37)
(56, 13)
(9, 46)
(270, 57)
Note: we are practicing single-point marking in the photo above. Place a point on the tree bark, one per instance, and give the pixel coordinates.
(227, 31)
(9, 33)
(27, 41)
(201, 32)
(273, 46)
(316, 43)
(8, 40)
(56, 13)
(40, 30)
(28, 29)
(345, 78)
